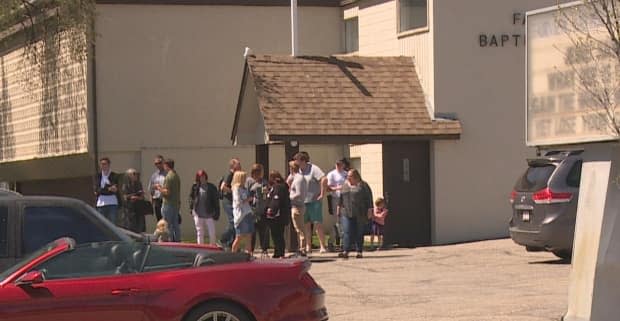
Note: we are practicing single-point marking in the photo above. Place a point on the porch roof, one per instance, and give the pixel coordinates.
(334, 99)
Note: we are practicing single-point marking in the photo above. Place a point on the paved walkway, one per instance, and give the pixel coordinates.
(491, 280)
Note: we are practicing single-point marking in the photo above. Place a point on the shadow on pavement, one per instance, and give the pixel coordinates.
(318, 259)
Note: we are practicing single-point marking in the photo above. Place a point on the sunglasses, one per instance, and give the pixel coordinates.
(158, 163)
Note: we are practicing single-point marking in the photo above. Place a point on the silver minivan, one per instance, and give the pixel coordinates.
(544, 203)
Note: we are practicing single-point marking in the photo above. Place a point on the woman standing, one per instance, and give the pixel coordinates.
(356, 208)
(278, 211)
(242, 213)
(257, 185)
(205, 207)
(132, 192)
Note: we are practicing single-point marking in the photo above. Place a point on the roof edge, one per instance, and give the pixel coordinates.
(244, 81)
(258, 3)
(358, 139)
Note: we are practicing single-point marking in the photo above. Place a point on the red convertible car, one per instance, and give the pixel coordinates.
(125, 281)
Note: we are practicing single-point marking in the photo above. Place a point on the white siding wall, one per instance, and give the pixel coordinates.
(377, 28)
(43, 108)
(371, 156)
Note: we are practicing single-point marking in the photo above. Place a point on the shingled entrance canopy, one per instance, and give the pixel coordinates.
(346, 99)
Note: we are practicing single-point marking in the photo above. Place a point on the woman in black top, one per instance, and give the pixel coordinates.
(132, 192)
(204, 204)
(355, 207)
(278, 211)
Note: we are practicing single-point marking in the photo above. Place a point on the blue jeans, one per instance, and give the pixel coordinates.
(109, 212)
(353, 233)
(171, 215)
(229, 235)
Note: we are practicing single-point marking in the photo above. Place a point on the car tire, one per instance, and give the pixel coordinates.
(563, 254)
(533, 248)
(216, 311)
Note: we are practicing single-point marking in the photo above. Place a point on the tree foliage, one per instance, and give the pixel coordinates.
(593, 29)
(32, 22)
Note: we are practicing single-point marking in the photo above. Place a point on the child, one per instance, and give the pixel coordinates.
(161, 232)
(378, 221)
(242, 213)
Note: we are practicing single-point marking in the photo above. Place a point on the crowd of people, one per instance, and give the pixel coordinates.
(257, 207)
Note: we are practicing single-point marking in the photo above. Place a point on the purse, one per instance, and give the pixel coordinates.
(143, 207)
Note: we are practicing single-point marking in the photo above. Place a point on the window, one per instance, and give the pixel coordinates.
(535, 178)
(351, 35)
(4, 231)
(94, 259)
(413, 14)
(45, 224)
(574, 176)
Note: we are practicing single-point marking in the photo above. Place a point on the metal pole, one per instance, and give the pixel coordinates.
(294, 28)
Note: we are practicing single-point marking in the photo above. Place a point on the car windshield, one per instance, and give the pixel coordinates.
(535, 178)
(28, 258)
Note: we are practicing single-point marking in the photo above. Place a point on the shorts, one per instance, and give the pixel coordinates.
(377, 229)
(246, 226)
(314, 212)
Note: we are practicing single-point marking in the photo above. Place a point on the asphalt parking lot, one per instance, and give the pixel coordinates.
(489, 280)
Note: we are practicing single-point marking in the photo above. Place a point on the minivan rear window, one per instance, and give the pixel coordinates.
(535, 178)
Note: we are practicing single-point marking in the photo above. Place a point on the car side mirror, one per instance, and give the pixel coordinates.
(30, 278)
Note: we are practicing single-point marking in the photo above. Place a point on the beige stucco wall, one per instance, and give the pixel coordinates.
(485, 87)
(168, 79)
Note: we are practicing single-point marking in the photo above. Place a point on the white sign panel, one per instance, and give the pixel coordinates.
(571, 86)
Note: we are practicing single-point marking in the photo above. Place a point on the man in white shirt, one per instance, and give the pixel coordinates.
(106, 190)
(335, 180)
(317, 186)
(157, 180)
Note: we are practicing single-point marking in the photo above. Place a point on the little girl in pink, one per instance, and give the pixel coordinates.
(378, 221)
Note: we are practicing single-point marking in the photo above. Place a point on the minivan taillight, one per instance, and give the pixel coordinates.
(547, 196)
(513, 195)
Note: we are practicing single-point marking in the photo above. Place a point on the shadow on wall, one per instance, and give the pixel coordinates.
(7, 140)
(62, 104)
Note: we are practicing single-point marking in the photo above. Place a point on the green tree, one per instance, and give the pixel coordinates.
(30, 24)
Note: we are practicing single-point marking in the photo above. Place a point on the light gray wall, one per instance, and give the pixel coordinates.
(168, 79)
(485, 86)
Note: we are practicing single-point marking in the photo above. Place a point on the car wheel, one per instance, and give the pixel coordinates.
(218, 311)
(533, 249)
(563, 254)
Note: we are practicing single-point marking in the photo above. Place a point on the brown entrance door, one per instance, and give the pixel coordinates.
(406, 184)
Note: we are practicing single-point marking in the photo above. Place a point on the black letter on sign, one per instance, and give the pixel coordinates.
(516, 17)
(483, 40)
(516, 37)
(504, 39)
(493, 42)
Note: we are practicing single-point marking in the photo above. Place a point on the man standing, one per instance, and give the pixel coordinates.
(317, 185)
(106, 190)
(157, 178)
(229, 235)
(171, 194)
(335, 180)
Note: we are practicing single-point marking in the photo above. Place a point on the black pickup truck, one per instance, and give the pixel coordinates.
(29, 222)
